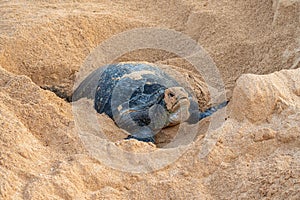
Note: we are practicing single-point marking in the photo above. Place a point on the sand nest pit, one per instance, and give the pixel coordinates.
(254, 154)
(239, 144)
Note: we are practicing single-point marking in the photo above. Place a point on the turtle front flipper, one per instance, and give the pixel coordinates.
(212, 110)
(141, 133)
(142, 123)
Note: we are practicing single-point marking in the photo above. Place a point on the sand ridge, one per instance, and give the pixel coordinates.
(253, 155)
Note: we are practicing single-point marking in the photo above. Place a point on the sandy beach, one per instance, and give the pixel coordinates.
(50, 147)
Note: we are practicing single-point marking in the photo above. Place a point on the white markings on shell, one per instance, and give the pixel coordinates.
(120, 108)
(137, 75)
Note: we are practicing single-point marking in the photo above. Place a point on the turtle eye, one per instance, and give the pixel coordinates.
(171, 94)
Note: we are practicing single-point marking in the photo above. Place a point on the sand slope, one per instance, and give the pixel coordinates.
(255, 154)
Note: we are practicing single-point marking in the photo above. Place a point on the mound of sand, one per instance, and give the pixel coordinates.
(253, 155)
(256, 152)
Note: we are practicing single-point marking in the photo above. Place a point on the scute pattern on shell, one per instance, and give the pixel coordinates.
(135, 85)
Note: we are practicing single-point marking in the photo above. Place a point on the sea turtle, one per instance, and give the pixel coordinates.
(141, 98)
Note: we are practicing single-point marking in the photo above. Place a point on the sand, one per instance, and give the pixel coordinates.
(250, 150)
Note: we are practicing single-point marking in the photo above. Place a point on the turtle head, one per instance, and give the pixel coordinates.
(178, 104)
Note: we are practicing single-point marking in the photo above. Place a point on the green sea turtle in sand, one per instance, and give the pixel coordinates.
(140, 98)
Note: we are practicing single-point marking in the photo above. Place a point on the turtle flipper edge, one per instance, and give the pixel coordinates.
(212, 110)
